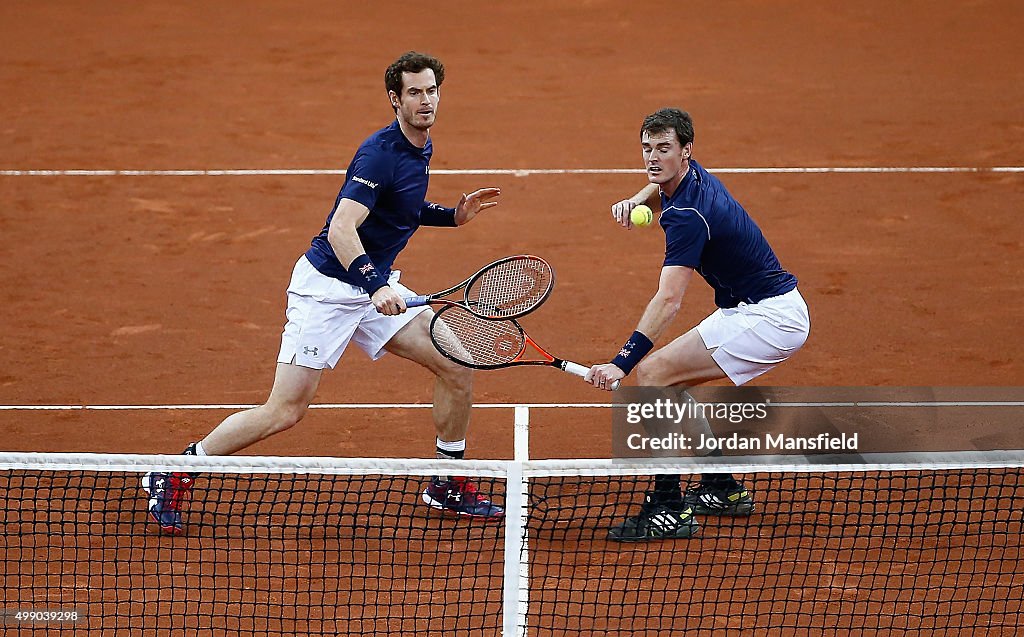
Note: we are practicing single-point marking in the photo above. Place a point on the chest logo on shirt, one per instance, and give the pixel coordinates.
(366, 182)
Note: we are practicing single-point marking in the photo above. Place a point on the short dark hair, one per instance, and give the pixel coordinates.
(411, 62)
(669, 118)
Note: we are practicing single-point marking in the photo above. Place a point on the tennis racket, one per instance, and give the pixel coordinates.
(508, 288)
(480, 343)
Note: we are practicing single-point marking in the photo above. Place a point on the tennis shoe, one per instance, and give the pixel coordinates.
(669, 520)
(167, 492)
(710, 499)
(461, 497)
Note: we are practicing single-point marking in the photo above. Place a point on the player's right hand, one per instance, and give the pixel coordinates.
(604, 376)
(388, 302)
(620, 212)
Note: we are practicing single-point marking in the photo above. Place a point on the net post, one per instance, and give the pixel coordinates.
(517, 554)
(516, 579)
(521, 434)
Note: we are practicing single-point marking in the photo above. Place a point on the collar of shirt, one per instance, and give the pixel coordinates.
(691, 176)
(396, 130)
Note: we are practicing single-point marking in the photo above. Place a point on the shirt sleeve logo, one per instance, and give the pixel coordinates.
(366, 182)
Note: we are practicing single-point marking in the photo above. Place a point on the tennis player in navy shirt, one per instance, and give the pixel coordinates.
(761, 318)
(343, 289)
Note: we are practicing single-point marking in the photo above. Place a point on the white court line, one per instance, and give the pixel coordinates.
(938, 403)
(515, 172)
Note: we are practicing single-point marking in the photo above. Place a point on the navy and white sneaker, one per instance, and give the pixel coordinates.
(167, 492)
(461, 497)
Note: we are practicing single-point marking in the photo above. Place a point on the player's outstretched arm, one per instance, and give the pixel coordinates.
(665, 304)
(621, 210)
(656, 318)
(474, 203)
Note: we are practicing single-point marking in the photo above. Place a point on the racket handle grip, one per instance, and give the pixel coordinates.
(581, 371)
(415, 301)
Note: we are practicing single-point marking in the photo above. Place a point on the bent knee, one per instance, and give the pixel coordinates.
(453, 373)
(653, 372)
(286, 416)
(669, 370)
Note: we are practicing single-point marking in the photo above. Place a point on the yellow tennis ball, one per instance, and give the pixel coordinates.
(641, 216)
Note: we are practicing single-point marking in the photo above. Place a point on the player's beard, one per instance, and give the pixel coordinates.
(419, 121)
(424, 122)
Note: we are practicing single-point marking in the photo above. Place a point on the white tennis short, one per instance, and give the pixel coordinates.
(752, 338)
(324, 314)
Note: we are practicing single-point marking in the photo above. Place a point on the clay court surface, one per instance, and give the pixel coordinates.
(169, 290)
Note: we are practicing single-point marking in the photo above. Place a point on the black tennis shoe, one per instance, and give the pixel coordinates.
(710, 499)
(668, 520)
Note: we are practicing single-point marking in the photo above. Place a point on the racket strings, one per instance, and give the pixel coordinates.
(476, 341)
(511, 288)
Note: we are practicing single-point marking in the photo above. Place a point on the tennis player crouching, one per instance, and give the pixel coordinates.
(761, 318)
(343, 290)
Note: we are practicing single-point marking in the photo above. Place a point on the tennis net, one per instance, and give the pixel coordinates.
(316, 546)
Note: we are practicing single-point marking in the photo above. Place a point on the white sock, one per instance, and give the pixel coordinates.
(451, 449)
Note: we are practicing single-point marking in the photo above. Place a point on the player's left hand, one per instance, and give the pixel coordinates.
(472, 204)
(604, 376)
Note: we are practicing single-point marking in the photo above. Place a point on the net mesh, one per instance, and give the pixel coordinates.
(261, 555)
(867, 553)
(511, 288)
(347, 548)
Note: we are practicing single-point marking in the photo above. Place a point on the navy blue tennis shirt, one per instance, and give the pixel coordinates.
(389, 176)
(709, 231)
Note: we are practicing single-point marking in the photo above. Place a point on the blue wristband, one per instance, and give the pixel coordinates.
(363, 270)
(433, 214)
(632, 352)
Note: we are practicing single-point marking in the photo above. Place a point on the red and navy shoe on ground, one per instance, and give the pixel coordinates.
(461, 497)
(167, 492)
